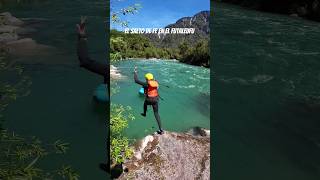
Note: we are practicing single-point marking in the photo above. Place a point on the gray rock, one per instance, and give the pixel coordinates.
(294, 15)
(115, 73)
(170, 156)
(8, 29)
(200, 22)
(16, 29)
(26, 46)
(7, 19)
(198, 131)
(7, 37)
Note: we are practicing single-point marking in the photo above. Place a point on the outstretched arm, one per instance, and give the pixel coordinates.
(136, 80)
(82, 51)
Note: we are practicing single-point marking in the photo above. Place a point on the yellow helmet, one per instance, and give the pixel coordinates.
(148, 76)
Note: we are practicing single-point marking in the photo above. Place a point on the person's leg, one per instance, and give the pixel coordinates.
(155, 107)
(145, 107)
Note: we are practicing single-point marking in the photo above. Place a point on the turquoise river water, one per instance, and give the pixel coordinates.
(266, 105)
(185, 91)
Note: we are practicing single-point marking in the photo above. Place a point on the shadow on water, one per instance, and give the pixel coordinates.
(297, 124)
(307, 107)
(203, 103)
(100, 108)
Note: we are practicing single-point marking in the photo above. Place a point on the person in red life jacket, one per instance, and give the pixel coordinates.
(151, 96)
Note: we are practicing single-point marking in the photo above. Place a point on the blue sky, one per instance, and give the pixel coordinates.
(159, 13)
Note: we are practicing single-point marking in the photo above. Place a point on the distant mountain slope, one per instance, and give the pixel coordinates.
(199, 21)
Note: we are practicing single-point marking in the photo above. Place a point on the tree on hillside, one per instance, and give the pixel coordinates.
(184, 48)
(197, 55)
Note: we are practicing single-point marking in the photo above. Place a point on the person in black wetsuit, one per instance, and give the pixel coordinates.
(101, 69)
(98, 68)
(150, 87)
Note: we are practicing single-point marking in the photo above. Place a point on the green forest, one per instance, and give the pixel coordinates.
(124, 46)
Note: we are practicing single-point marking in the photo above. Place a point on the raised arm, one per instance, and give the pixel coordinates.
(82, 52)
(136, 80)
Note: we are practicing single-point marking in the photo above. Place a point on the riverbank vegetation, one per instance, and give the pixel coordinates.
(119, 147)
(123, 46)
(119, 114)
(20, 157)
(119, 143)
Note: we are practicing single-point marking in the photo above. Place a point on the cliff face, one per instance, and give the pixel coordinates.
(171, 156)
(309, 9)
(200, 22)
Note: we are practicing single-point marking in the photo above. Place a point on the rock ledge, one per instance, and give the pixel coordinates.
(170, 156)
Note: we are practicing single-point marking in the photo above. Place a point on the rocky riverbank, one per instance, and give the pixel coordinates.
(171, 156)
(14, 38)
(115, 73)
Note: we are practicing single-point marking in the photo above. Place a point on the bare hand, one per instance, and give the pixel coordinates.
(81, 26)
(135, 69)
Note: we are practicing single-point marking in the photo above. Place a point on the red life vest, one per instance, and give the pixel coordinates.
(152, 90)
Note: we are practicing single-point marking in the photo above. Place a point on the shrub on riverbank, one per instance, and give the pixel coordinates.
(19, 158)
(119, 145)
(119, 118)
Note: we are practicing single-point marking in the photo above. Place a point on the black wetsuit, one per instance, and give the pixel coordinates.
(153, 101)
(101, 69)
